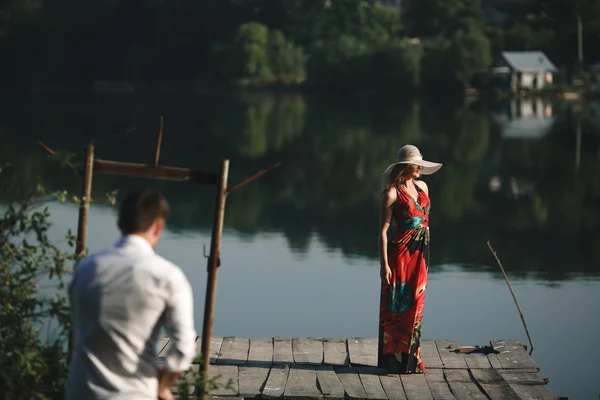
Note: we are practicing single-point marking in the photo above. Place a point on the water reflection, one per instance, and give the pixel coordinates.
(523, 195)
(528, 118)
(262, 292)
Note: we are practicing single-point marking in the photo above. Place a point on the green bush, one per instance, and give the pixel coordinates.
(32, 362)
(250, 57)
(286, 60)
(257, 56)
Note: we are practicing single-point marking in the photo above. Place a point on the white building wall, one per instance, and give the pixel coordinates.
(527, 80)
(533, 80)
(541, 80)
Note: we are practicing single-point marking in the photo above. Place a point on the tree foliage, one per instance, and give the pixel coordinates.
(257, 55)
(285, 58)
(33, 325)
(432, 18)
(266, 41)
(250, 47)
(469, 54)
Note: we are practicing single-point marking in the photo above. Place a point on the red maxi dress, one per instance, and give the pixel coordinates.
(402, 302)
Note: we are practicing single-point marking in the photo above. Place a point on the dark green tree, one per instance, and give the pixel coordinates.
(287, 61)
(433, 18)
(34, 324)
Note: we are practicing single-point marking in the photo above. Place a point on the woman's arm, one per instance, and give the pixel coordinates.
(385, 217)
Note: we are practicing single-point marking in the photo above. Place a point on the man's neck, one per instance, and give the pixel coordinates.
(146, 236)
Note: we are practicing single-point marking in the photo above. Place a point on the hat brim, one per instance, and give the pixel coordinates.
(428, 166)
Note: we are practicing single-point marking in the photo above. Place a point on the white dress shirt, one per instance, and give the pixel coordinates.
(120, 299)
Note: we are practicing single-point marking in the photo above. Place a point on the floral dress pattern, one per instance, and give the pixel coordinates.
(402, 302)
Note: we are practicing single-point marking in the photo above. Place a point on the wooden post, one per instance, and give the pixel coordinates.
(578, 143)
(579, 39)
(82, 225)
(211, 280)
(158, 143)
(84, 205)
(150, 172)
(167, 173)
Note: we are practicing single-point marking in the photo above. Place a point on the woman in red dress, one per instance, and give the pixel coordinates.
(404, 259)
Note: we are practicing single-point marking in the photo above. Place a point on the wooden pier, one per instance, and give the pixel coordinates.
(336, 369)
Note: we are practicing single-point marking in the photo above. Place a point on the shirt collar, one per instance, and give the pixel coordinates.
(134, 241)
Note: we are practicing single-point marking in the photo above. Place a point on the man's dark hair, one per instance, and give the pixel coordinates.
(139, 209)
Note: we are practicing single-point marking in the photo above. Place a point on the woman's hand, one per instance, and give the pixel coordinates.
(386, 274)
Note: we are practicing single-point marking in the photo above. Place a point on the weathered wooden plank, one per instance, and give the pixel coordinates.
(450, 359)
(276, 382)
(437, 384)
(328, 382)
(392, 385)
(302, 383)
(224, 374)
(461, 384)
(509, 374)
(363, 352)
(251, 380)
(351, 382)
(234, 351)
(477, 361)
(527, 385)
(335, 352)
(261, 351)
(369, 376)
(494, 361)
(429, 355)
(282, 351)
(215, 348)
(415, 387)
(165, 351)
(307, 351)
(512, 355)
(493, 384)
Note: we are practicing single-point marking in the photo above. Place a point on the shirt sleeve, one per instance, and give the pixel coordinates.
(179, 324)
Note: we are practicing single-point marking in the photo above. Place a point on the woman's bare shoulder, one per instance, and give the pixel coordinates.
(390, 195)
(422, 185)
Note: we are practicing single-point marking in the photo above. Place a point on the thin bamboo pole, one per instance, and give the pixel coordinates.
(513, 295)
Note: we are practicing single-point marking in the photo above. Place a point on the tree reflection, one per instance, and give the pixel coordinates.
(523, 195)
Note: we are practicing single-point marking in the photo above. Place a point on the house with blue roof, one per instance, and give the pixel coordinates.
(524, 70)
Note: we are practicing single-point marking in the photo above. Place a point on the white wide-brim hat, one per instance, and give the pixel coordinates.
(409, 154)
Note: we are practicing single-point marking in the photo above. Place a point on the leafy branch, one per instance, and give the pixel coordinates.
(30, 367)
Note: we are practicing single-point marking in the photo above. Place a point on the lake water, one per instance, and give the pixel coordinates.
(299, 251)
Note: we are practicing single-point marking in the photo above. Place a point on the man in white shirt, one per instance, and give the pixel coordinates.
(120, 299)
